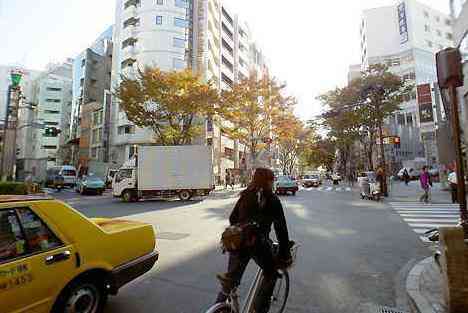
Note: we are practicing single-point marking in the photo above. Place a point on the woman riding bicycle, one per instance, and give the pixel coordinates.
(256, 210)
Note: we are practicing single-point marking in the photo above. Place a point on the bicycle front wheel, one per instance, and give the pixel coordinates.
(221, 308)
(280, 293)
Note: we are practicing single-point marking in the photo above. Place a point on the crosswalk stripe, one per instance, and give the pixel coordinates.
(329, 188)
(348, 188)
(320, 188)
(431, 215)
(432, 225)
(422, 217)
(338, 188)
(427, 220)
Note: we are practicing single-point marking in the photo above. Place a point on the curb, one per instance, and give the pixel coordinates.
(420, 303)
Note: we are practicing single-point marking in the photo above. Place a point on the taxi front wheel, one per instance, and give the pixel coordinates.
(82, 296)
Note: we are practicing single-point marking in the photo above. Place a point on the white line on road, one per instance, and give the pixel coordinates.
(432, 225)
(348, 188)
(429, 220)
(338, 189)
(432, 215)
(329, 188)
(319, 188)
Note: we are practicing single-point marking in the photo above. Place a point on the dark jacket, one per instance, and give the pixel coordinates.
(265, 209)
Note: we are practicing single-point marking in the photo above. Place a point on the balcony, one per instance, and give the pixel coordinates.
(132, 4)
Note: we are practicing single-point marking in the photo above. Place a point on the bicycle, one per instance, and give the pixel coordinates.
(278, 299)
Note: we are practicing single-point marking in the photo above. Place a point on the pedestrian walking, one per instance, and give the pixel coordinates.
(406, 177)
(426, 184)
(452, 178)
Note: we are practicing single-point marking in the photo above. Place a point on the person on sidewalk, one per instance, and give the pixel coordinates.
(406, 177)
(452, 179)
(426, 184)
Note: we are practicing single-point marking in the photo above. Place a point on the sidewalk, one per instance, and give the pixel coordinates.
(424, 287)
(399, 192)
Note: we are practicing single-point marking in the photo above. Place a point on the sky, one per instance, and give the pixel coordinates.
(310, 44)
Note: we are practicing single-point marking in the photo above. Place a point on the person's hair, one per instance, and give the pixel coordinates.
(424, 167)
(261, 179)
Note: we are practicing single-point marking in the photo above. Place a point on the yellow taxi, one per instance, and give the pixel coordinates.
(54, 259)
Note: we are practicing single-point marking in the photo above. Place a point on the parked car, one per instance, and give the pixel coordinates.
(54, 259)
(90, 183)
(66, 171)
(285, 184)
(311, 181)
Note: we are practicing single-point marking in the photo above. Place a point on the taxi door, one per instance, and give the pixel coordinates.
(34, 263)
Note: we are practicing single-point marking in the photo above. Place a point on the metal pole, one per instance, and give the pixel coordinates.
(384, 166)
(460, 171)
(15, 134)
(5, 128)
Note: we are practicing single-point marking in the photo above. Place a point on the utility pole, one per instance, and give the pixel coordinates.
(4, 130)
(449, 72)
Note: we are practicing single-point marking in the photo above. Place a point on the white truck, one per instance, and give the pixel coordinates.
(165, 172)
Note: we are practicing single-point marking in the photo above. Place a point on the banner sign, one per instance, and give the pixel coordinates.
(426, 113)
(403, 23)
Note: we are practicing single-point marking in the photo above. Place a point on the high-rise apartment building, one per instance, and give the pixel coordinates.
(406, 36)
(203, 35)
(90, 127)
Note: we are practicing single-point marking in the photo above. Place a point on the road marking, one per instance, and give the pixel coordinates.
(423, 217)
(348, 188)
(338, 189)
(329, 188)
(320, 188)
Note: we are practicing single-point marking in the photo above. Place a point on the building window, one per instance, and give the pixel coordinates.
(229, 153)
(241, 47)
(179, 42)
(429, 43)
(49, 147)
(401, 119)
(426, 14)
(131, 152)
(448, 22)
(409, 119)
(437, 18)
(96, 136)
(227, 63)
(449, 36)
(51, 123)
(159, 2)
(131, 22)
(97, 118)
(178, 64)
(180, 22)
(51, 112)
(227, 31)
(83, 63)
(226, 79)
(53, 89)
(427, 28)
(53, 100)
(126, 129)
(129, 3)
(129, 42)
(159, 20)
(181, 4)
(439, 33)
(228, 47)
(227, 16)
(128, 63)
(94, 153)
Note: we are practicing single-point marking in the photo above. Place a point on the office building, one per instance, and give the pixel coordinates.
(44, 120)
(406, 36)
(90, 118)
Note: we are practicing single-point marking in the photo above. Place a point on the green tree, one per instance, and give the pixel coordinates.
(172, 104)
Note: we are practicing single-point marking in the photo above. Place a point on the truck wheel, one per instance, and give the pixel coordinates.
(127, 196)
(83, 295)
(185, 195)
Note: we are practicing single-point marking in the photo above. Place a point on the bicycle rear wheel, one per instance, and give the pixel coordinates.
(280, 293)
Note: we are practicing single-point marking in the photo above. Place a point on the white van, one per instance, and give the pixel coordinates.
(67, 171)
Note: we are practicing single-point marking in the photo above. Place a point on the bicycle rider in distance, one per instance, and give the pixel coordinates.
(254, 213)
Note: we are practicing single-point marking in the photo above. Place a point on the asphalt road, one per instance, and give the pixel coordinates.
(351, 253)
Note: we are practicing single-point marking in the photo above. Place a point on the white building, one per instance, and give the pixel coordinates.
(51, 95)
(203, 35)
(406, 36)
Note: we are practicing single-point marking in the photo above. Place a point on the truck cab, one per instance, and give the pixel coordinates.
(124, 184)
